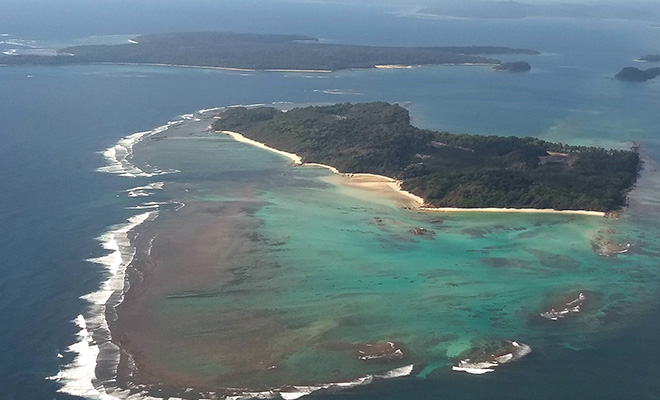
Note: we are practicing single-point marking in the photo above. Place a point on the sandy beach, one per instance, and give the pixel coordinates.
(390, 188)
(515, 210)
(323, 71)
(394, 66)
(297, 160)
(312, 71)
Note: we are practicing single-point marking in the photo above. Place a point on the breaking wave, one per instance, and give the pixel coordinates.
(94, 344)
(118, 157)
(515, 351)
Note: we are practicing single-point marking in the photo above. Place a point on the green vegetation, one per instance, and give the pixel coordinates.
(447, 170)
(632, 74)
(517, 66)
(488, 9)
(252, 51)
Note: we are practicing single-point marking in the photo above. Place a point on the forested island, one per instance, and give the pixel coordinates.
(546, 9)
(517, 66)
(262, 52)
(632, 74)
(445, 169)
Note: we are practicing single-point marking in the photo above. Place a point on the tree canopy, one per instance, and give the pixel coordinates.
(447, 170)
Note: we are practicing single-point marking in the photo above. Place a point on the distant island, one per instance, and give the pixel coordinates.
(548, 9)
(263, 52)
(446, 170)
(517, 66)
(650, 58)
(632, 74)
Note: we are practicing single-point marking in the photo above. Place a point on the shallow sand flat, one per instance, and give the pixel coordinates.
(274, 274)
(193, 251)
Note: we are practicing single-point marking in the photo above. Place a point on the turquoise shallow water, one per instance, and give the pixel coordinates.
(57, 119)
(335, 269)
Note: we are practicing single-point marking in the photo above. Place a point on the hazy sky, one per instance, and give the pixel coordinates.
(61, 19)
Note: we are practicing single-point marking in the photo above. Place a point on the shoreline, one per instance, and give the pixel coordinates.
(394, 185)
(109, 340)
(292, 70)
(385, 181)
(515, 210)
(323, 71)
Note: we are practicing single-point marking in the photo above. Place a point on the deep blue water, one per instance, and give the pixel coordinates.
(55, 120)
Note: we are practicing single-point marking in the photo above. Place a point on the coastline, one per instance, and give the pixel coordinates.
(515, 210)
(292, 70)
(384, 184)
(323, 71)
(184, 250)
(116, 367)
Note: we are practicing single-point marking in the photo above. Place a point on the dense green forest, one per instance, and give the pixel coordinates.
(447, 170)
(253, 51)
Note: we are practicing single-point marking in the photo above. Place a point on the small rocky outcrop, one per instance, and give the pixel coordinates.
(570, 305)
(608, 248)
(421, 232)
(380, 351)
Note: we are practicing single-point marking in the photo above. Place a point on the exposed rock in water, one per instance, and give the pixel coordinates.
(421, 232)
(516, 66)
(570, 305)
(380, 351)
(613, 215)
(607, 248)
(483, 360)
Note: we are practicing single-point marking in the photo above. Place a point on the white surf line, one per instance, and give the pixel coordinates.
(143, 191)
(78, 378)
(298, 391)
(519, 351)
(117, 157)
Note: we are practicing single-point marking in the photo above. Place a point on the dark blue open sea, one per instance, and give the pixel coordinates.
(56, 122)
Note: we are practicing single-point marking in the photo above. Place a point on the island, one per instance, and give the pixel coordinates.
(484, 9)
(632, 74)
(444, 169)
(517, 66)
(650, 58)
(263, 52)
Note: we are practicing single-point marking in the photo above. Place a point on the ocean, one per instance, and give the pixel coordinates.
(325, 266)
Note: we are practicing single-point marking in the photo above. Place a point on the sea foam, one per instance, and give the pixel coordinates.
(79, 377)
(297, 392)
(118, 156)
(517, 351)
(143, 191)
